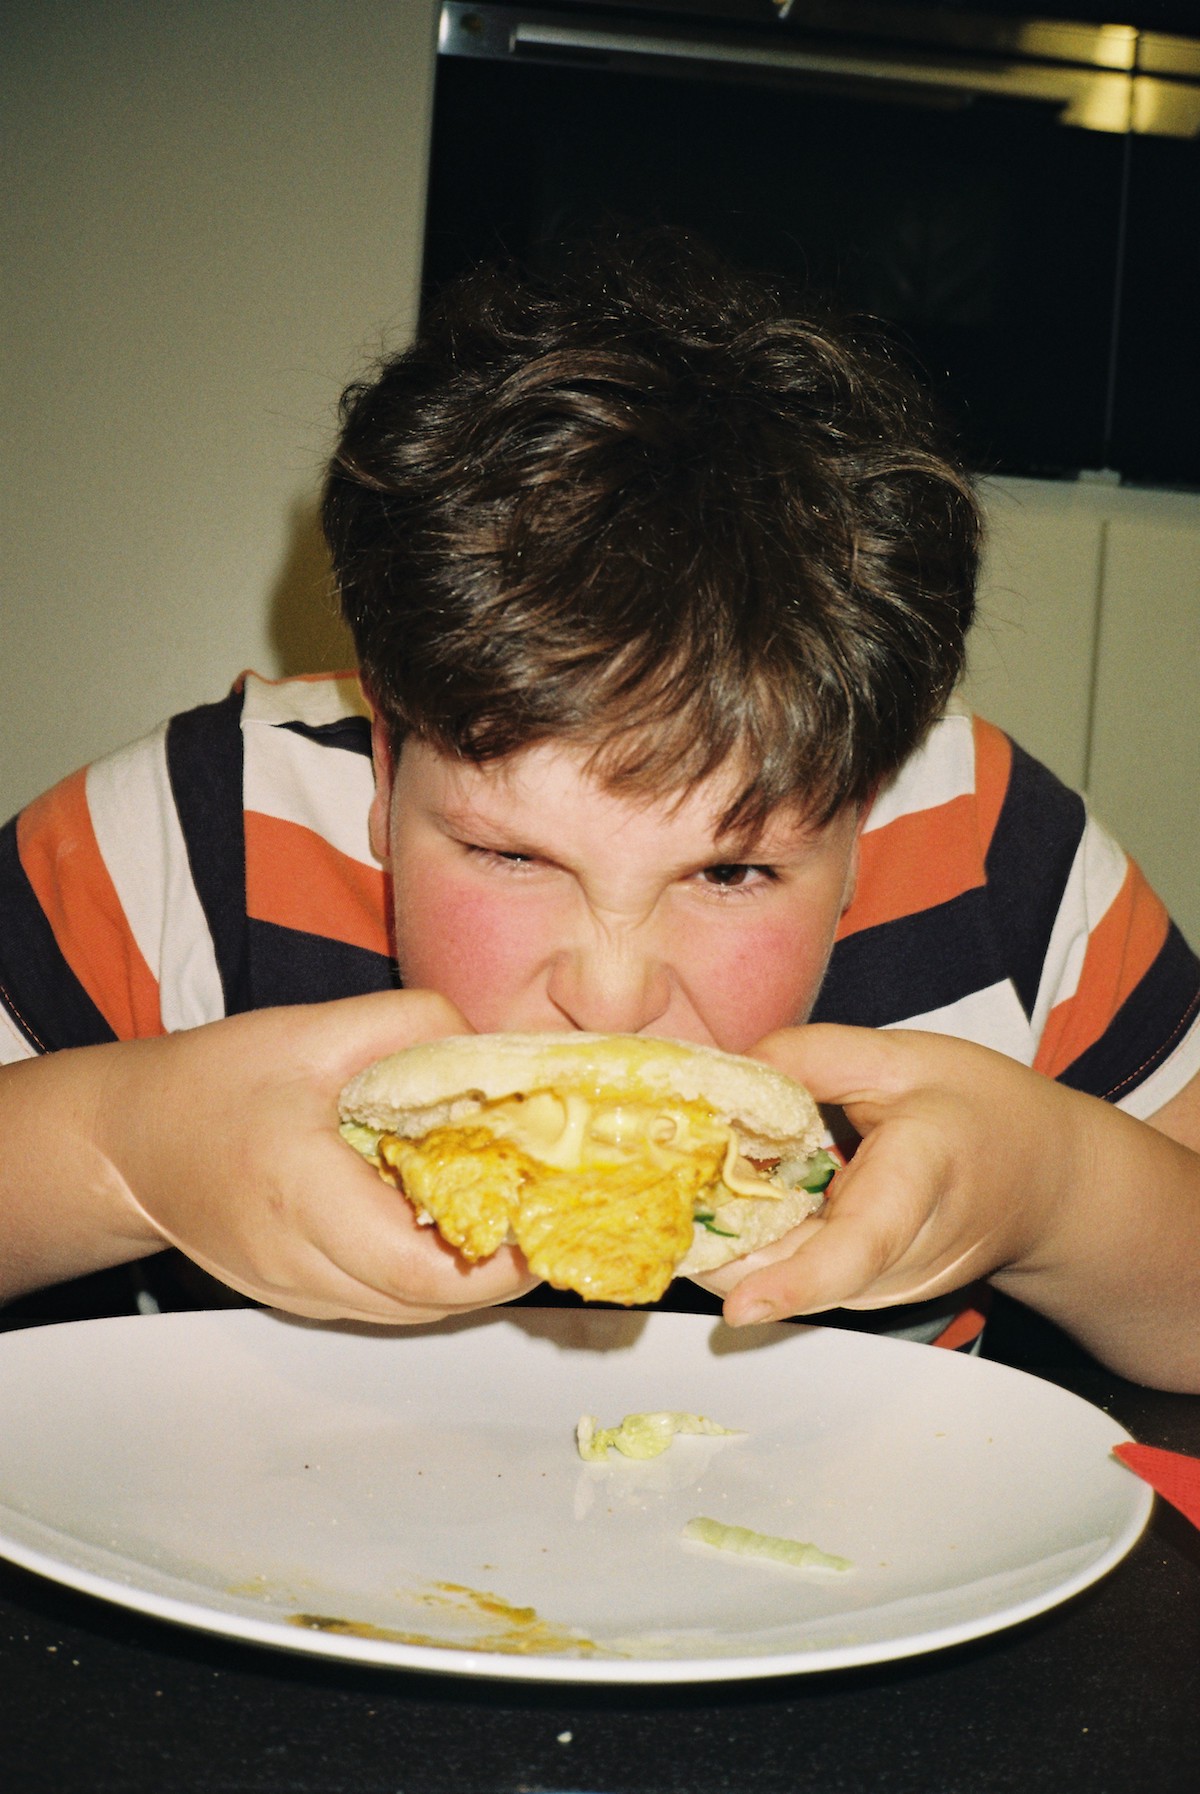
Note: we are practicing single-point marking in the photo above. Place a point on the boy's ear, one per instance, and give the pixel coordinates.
(851, 885)
(379, 817)
(855, 856)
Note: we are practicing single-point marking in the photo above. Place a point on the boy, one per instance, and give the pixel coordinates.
(660, 597)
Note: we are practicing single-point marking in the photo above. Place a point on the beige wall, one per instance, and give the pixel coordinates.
(216, 218)
(216, 214)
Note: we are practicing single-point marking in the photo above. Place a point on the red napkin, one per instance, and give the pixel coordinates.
(1175, 1476)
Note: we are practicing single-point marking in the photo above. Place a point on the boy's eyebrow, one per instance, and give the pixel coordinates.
(779, 837)
(465, 823)
(462, 818)
(782, 833)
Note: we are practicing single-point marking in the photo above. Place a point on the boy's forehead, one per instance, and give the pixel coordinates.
(550, 782)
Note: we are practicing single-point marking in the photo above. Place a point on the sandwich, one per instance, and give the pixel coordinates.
(613, 1161)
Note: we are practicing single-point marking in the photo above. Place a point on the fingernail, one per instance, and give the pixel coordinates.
(754, 1315)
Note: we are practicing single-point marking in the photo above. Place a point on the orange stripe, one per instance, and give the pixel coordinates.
(915, 863)
(993, 769)
(1124, 945)
(962, 1330)
(296, 879)
(62, 861)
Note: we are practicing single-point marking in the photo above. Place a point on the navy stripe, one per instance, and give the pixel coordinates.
(352, 733)
(1147, 1027)
(37, 986)
(1029, 862)
(291, 966)
(887, 974)
(204, 764)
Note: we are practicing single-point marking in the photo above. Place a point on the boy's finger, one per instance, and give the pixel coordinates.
(844, 1254)
(879, 1206)
(358, 1030)
(838, 1264)
(871, 1069)
(841, 1065)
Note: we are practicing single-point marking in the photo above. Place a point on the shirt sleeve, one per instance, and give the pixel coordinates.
(1111, 988)
(103, 931)
(992, 906)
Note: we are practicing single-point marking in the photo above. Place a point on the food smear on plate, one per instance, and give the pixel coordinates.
(641, 1435)
(743, 1541)
(495, 1625)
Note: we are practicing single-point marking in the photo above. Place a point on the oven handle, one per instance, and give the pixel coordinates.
(1099, 99)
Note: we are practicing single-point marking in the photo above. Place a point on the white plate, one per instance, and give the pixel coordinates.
(414, 1492)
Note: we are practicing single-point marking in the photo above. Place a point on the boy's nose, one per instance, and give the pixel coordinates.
(607, 989)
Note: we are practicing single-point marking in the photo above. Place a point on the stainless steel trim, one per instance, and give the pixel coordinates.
(1102, 89)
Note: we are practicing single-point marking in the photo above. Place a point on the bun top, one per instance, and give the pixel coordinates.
(439, 1081)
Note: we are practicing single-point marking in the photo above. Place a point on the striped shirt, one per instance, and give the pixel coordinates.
(223, 864)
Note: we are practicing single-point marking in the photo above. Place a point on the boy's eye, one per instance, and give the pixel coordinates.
(497, 857)
(734, 875)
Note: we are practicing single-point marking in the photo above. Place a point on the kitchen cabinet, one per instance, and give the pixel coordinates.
(1087, 649)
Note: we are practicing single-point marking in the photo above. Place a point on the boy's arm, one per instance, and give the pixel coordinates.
(223, 1140)
(973, 1166)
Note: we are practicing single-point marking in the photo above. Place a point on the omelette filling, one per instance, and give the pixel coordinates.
(599, 1191)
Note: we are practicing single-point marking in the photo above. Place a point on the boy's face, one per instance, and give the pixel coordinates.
(532, 898)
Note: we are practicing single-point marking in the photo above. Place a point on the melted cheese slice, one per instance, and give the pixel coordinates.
(598, 1190)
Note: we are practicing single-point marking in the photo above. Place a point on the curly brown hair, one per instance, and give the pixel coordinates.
(643, 507)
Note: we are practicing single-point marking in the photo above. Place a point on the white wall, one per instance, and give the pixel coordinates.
(214, 219)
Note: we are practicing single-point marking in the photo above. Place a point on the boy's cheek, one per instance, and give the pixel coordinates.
(767, 978)
(461, 943)
(487, 955)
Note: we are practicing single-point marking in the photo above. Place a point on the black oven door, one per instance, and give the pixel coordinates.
(1004, 193)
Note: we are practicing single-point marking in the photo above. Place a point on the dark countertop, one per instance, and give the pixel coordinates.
(1102, 1694)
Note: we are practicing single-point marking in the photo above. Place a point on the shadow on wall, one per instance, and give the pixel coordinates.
(307, 634)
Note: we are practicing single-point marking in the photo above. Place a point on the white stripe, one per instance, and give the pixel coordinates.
(1095, 880)
(1172, 1076)
(326, 789)
(13, 1044)
(991, 1017)
(140, 838)
(943, 769)
(309, 701)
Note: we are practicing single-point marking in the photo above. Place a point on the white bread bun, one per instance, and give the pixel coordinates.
(775, 1119)
(444, 1080)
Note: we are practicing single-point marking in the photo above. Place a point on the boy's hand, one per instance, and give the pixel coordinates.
(225, 1141)
(964, 1164)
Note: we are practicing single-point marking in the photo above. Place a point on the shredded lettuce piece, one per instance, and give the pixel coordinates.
(818, 1173)
(362, 1138)
(744, 1542)
(640, 1435)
